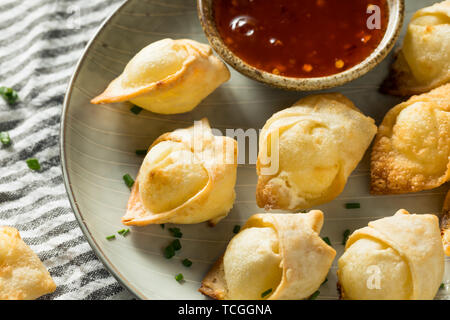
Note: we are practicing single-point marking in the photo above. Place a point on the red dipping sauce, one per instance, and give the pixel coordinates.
(301, 38)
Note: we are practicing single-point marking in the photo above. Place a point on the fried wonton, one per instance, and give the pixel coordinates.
(412, 148)
(188, 176)
(275, 257)
(394, 258)
(22, 274)
(308, 151)
(423, 63)
(168, 77)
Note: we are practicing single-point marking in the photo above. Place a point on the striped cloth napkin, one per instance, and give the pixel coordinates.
(40, 44)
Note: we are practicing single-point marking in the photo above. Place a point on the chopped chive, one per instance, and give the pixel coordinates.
(169, 251)
(314, 295)
(5, 138)
(325, 281)
(128, 180)
(110, 237)
(33, 164)
(179, 277)
(10, 95)
(354, 205)
(346, 235)
(162, 226)
(125, 232)
(187, 263)
(442, 286)
(141, 152)
(176, 232)
(136, 110)
(327, 240)
(236, 228)
(176, 244)
(266, 293)
(121, 231)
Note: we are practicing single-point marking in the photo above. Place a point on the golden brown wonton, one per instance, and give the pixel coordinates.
(423, 63)
(168, 77)
(274, 256)
(22, 274)
(403, 251)
(412, 148)
(313, 148)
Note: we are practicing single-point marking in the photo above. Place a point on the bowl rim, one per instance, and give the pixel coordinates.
(397, 16)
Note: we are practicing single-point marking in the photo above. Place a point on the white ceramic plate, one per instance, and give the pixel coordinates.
(98, 144)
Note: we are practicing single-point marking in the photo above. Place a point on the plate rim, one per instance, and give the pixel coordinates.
(62, 153)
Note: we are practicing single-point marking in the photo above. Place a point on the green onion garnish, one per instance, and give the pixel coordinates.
(236, 229)
(179, 277)
(121, 231)
(162, 226)
(176, 232)
(128, 180)
(442, 286)
(5, 139)
(176, 244)
(136, 109)
(169, 251)
(327, 240)
(10, 95)
(33, 164)
(266, 293)
(124, 232)
(314, 295)
(187, 263)
(354, 205)
(110, 237)
(346, 235)
(141, 152)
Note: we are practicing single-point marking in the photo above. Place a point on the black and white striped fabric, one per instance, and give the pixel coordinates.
(40, 43)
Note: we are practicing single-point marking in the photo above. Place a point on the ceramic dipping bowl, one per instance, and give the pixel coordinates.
(394, 25)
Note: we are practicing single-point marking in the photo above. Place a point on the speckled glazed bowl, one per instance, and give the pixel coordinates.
(396, 16)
